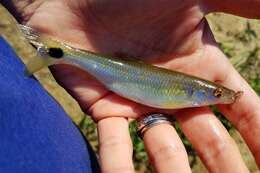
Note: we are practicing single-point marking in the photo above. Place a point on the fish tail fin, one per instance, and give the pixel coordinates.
(31, 35)
(40, 61)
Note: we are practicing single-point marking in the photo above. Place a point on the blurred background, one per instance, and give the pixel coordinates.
(238, 37)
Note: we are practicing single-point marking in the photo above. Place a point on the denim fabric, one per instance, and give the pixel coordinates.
(36, 135)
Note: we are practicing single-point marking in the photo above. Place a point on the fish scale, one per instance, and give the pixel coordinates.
(135, 80)
(141, 82)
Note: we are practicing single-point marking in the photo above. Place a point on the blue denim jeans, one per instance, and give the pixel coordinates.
(36, 135)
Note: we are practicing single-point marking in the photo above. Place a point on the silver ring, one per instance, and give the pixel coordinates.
(150, 121)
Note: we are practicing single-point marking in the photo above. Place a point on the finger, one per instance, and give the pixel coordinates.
(250, 8)
(165, 149)
(245, 112)
(115, 147)
(210, 139)
(114, 105)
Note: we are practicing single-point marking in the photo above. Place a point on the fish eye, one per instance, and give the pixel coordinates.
(55, 52)
(218, 92)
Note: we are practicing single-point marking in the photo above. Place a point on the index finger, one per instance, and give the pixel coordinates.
(245, 112)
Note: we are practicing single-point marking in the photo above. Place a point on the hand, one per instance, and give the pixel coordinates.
(172, 34)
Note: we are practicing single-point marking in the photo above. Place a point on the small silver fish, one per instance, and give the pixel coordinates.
(143, 83)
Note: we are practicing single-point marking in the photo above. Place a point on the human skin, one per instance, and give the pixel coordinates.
(169, 33)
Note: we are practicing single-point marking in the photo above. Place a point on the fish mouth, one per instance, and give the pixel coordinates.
(237, 95)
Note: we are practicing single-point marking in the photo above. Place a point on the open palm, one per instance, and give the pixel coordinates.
(169, 33)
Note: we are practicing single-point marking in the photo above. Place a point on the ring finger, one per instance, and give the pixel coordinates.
(165, 149)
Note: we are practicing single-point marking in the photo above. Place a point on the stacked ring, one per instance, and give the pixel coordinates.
(149, 121)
